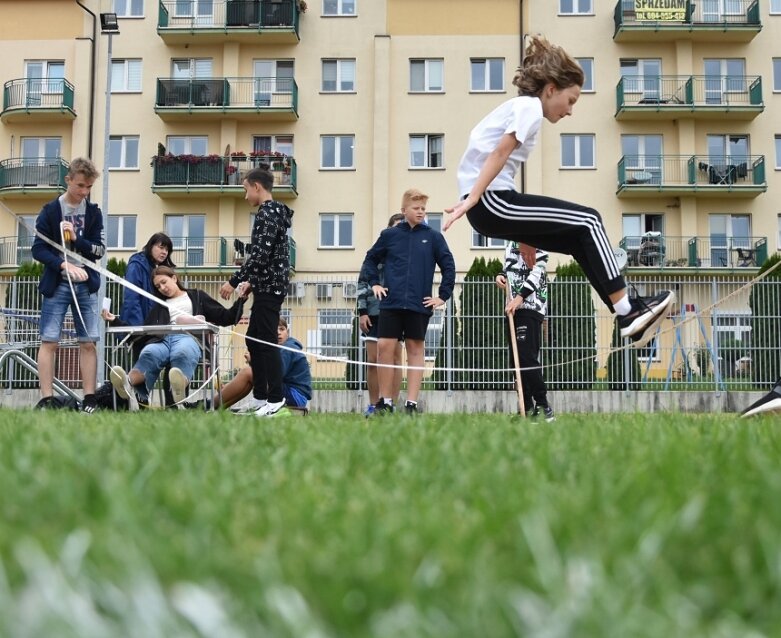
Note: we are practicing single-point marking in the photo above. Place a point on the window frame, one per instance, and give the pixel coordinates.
(482, 242)
(339, 62)
(337, 218)
(183, 242)
(337, 153)
(129, 13)
(486, 75)
(587, 76)
(577, 152)
(429, 153)
(575, 5)
(121, 221)
(126, 74)
(123, 152)
(776, 75)
(427, 75)
(343, 328)
(339, 10)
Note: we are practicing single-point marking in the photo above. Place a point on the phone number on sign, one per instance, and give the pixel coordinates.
(662, 16)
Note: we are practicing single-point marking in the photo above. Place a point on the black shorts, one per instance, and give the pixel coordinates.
(373, 333)
(400, 324)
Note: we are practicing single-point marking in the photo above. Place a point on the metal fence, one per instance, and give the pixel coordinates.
(722, 333)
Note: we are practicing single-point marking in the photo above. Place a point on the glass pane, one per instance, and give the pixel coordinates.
(137, 9)
(435, 75)
(328, 153)
(326, 230)
(284, 144)
(417, 72)
(131, 152)
(134, 75)
(477, 68)
(174, 228)
(52, 147)
(176, 145)
(348, 75)
(329, 76)
(565, 6)
(435, 221)
(199, 146)
(567, 150)
(348, 7)
(586, 150)
(346, 151)
(34, 70)
(196, 228)
(330, 7)
(30, 146)
(496, 75)
(345, 230)
(117, 75)
(112, 231)
(417, 151)
(741, 226)
(128, 231)
(115, 152)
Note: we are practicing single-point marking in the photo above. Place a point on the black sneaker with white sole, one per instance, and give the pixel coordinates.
(646, 313)
(768, 404)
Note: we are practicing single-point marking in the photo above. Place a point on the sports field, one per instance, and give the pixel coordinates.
(188, 524)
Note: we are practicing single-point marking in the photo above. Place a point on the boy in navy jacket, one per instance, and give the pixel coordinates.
(79, 223)
(410, 252)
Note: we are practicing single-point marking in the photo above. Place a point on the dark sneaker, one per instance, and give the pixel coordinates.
(90, 404)
(410, 407)
(381, 408)
(548, 412)
(646, 313)
(48, 403)
(768, 404)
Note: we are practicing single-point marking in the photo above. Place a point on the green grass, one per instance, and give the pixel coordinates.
(189, 524)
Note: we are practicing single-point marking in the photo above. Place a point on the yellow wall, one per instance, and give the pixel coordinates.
(40, 20)
(445, 17)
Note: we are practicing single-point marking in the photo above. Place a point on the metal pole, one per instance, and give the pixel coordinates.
(104, 209)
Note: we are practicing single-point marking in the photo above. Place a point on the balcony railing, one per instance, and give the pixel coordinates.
(733, 20)
(274, 20)
(678, 96)
(654, 250)
(208, 172)
(32, 174)
(188, 252)
(28, 96)
(682, 174)
(249, 95)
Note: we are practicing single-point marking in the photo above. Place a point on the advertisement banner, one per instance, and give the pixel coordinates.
(661, 10)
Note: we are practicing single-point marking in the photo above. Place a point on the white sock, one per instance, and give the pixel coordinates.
(622, 306)
(387, 401)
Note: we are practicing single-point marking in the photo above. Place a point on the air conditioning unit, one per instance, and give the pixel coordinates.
(350, 290)
(324, 291)
(296, 290)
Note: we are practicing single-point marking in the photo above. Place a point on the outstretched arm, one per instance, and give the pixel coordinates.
(493, 165)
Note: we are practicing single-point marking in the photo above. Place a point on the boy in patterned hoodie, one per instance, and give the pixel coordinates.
(528, 305)
(266, 273)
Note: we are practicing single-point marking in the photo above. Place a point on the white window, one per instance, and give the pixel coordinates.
(730, 237)
(188, 68)
(434, 220)
(269, 144)
(336, 230)
(633, 227)
(187, 233)
(123, 151)
(776, 74)
(334, 333)
(426, 151)
(40, 150)
(487, 74)
(273, 82)
(202, 11)
(45, 82)
(339, 7)
(587, 64)
(642, 158)
(338, 76)
(121, 232)
(578, 151)
(575, 7)
(775, 6)
(187, 144)
(129, 8)
(723, 79)
(125, 75)
(426, 76)
(336, 151)
(641, 80)
(481, 241)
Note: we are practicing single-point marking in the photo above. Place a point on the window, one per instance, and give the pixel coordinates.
(587, 64)
(481, 241)
(336, 230)
(425, 151)
(575, 7)
(188, 68)
(426, 76)
(273, 144)
(641, 80)
(273, 82)
(775, 6)
(577, 151)
(336, 151)
(728, 234)
(433, 337)
(187, 235)
(123, 151)
(25, 233)
(129, 8)
(202, 11)
(339, 7)
(125, 75)
(121, 232)
(44, 82)
(40, 150)
(187, 145)
(633, 227)
(434, 220)
(726, 150)
(642, 158)
(778, 151)
(776, 74)
(778, 236)
(334, 333)
(338, 76)
(725, 77)
(487, 74)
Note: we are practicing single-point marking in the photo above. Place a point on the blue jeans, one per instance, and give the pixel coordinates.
(177, 350)
(53, 311)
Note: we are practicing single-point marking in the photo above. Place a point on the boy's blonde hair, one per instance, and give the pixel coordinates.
(544, 62)
(83, 166)
(413, 195)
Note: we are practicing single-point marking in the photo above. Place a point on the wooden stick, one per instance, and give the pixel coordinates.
(514, 346)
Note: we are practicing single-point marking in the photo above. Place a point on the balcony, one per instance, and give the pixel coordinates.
(703, 21)
(694, 97)
(654, 250)
(37, 176)
(189, 252)
(255, 99)
(37, 100)
(176, 176)
(681, 175)
(250, 21)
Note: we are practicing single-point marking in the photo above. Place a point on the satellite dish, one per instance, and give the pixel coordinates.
(621, 257)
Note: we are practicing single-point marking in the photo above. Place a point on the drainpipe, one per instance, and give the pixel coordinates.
(520, 57)
(91, 125)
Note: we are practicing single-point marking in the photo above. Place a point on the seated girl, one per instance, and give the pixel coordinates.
(180, 350)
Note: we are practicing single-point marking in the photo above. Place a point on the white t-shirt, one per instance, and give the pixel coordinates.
(521, 116)
(178, 306)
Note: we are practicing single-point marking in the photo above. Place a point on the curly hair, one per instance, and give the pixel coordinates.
(544, 62)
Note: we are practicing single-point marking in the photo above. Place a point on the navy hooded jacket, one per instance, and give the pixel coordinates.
(410, 255)
(135, 307)
(295, 368)
(89, 244)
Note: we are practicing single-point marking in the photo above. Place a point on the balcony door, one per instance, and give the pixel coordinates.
(200, 11)
(24, 238)
(722, 10)
(727, 234)
(187, 233)
(40, 161)
(642, 79)
(44, 79)
(643, 158)
(273, 82)
(723, 78)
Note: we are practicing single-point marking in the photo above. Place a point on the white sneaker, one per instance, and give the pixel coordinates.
(121, 383)
(249, 407)
(270, 408)
(179, 385)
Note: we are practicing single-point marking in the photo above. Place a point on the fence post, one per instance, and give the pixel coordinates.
(449, 346)
(717, 380)
(13, 324)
